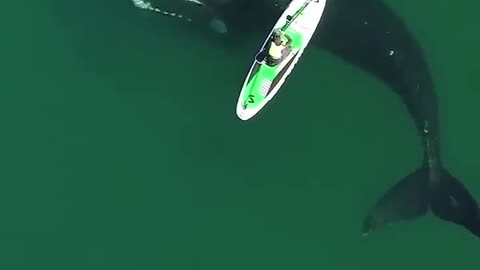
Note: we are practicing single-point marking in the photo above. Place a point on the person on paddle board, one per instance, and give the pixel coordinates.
(279, 49)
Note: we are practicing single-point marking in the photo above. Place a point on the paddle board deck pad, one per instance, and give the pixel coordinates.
(299, 21)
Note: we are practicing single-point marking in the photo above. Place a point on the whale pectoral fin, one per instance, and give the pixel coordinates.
(218, 26)
(407, 200)
(451, 201)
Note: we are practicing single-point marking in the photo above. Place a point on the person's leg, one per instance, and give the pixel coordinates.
(286, 51)
(274, 62)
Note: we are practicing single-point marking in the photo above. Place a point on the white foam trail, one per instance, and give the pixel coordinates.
(148, 6)
(216, 24)
(196, 2)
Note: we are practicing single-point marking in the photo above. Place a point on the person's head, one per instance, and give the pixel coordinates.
(277, 37)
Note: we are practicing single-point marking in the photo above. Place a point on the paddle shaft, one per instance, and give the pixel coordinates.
(302, 8)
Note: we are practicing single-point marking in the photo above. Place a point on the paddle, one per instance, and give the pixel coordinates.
(291, 18)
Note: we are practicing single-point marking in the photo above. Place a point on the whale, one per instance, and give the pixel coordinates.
(371, 36)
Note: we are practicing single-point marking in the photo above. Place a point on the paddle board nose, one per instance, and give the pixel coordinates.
(243, 114)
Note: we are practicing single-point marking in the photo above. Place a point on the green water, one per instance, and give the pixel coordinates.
(120, 150)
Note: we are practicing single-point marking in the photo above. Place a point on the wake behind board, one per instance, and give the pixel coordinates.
(299, 21)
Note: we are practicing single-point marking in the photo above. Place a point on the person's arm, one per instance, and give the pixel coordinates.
(289, 39)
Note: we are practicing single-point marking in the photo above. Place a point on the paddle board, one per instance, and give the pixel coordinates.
(299, 21)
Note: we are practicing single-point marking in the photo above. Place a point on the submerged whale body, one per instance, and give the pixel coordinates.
(369, 35)
(228, 21)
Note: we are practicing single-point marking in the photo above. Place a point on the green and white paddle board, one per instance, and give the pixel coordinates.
(299, 21)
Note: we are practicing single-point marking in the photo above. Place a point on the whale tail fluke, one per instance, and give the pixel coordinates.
(411, 198)
(451, 201)
(406, 200)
